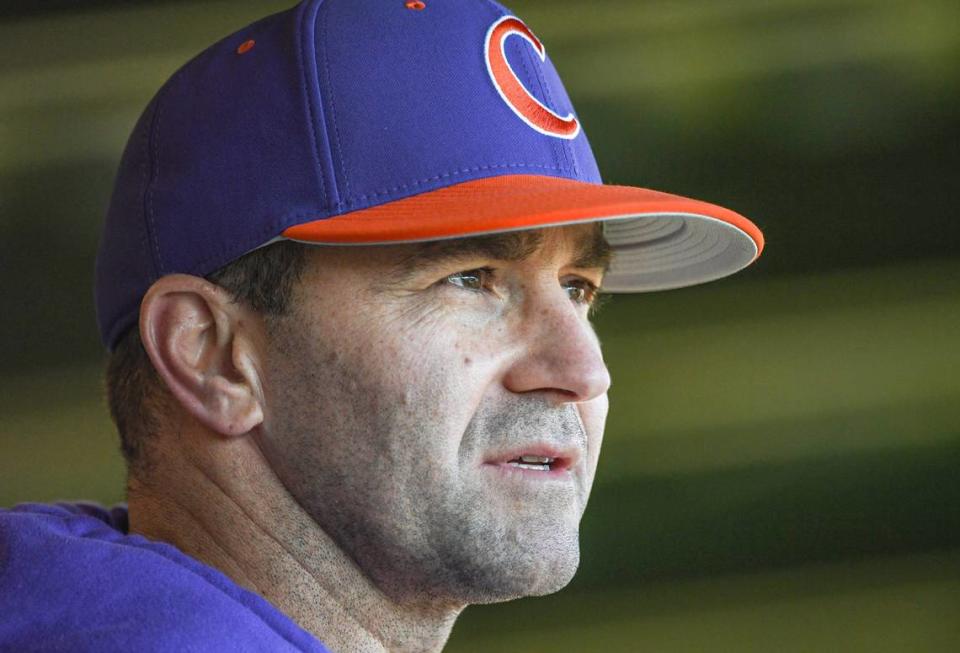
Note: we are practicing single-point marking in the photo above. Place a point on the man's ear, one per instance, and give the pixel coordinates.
(207, 349)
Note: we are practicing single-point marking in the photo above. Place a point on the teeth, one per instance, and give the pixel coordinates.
(536, 463)
(539, 468)
(539, 460)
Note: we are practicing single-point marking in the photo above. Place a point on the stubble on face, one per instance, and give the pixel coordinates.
(379, 435)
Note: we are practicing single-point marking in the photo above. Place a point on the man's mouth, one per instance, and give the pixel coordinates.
(537, 463)
(547, 460)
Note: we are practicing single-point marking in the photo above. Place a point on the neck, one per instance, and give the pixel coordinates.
(242, 521)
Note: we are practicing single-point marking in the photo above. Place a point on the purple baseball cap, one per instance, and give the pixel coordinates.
(346, 122)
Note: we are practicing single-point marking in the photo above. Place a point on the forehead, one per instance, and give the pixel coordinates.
(576, 247)
(583, 246)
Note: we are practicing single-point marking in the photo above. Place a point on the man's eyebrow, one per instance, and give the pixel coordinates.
(592, 250)
(512, 246)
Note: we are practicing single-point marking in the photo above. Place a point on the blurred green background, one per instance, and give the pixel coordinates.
(782, 465)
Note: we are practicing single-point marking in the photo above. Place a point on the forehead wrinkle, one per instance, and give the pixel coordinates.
(590, 249)
(512, 246)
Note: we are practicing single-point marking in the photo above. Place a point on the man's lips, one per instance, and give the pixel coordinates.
(537, 460)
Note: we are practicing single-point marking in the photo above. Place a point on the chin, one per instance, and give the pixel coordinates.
(559, 578)
(511, 590)
(535, 573)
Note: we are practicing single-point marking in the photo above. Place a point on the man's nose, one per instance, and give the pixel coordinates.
(561, 353)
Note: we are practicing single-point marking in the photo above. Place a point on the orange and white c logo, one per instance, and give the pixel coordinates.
(518, 98)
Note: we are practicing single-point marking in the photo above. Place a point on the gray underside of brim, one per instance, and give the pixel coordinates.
(673, 250)
(654, 251)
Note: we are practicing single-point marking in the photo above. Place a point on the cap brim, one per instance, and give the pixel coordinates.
(660, 241)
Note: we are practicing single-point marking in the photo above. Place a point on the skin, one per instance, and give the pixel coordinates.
(350, 463)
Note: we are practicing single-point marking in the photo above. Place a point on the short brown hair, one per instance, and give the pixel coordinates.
(263, 279)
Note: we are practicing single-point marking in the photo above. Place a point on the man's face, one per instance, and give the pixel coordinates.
(438, 409)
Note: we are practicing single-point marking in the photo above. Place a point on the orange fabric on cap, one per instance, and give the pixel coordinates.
(501, 204)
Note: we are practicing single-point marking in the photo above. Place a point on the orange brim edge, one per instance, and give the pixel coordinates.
(504, 203)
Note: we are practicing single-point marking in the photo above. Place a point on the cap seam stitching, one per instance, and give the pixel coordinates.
(419, 182)
(154, 174)
(526, 67)
(562, 145)
(333, 105)
(525, 57)
(312, 121)
(145, 181)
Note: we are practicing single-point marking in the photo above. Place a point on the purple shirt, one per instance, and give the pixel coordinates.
(72, 579)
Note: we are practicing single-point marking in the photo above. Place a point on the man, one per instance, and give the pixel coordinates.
(345, 280)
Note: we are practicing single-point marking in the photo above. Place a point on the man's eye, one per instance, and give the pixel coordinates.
(581, 291)
(471, 279)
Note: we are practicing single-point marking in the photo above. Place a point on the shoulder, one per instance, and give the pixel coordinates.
(71, 579)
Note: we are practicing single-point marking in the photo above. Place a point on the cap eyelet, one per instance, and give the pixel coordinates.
(246, 46)
(416, 5)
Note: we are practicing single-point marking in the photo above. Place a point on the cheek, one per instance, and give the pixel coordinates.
(394, 383)
(449, 363)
